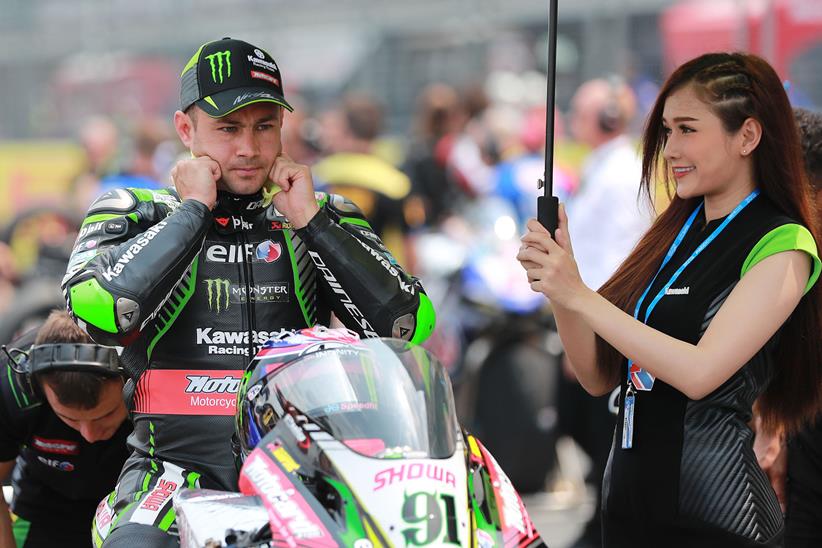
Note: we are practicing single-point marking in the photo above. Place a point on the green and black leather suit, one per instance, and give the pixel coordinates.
(191, 295)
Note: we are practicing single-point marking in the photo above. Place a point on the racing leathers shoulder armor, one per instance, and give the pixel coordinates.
(192, 294)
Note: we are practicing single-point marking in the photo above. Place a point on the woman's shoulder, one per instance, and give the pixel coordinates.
(758, 219)
(765, 215)
(767, 219)
(772, 231)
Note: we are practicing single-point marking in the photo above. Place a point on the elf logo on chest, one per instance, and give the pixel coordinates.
(266, 251)
(678, 290)
(62, 465)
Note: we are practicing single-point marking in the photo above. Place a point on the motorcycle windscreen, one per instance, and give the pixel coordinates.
(383, 398)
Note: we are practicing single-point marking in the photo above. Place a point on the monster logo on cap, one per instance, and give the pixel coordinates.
(226, 75)
(217, 66)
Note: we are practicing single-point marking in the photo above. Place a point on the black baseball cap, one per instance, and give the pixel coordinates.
(226, 75)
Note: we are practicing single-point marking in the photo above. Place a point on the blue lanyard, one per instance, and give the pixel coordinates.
(675, 246)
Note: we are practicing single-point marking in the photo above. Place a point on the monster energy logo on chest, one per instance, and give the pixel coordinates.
(218, 291)
(217, 61)
(222, 293)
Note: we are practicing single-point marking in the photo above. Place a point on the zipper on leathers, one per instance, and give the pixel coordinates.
(249, 285)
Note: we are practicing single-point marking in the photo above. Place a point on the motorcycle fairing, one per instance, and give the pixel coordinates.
(295, 517)
(496, 516)
(417, 501)
(499, 514)
(294, 446)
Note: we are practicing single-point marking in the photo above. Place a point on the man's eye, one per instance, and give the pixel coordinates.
(264, 127)
(227, 129)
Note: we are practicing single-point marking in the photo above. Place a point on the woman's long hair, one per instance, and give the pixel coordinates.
(736, 87)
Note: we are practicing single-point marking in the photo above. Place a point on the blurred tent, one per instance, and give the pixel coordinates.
(782, 31)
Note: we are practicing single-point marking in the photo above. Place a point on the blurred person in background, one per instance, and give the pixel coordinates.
(148, 161)
(139, 159)
(143, 163)
(717, 305)
(301, 133)
(100, 140)
(353, 169)
(436, 120)
(606, 216)
(606, 219)
(501, 139)
(516, 178)
(794, 463)
(63, 435)
(810, 133)
(472, 153)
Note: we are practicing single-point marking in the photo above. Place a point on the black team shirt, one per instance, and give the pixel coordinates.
(691, 478)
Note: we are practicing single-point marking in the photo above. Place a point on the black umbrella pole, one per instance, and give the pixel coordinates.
(548, 204)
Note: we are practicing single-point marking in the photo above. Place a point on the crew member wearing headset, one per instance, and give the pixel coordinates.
(63, 434)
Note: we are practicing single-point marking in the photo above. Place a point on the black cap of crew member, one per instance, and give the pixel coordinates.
(228, 74)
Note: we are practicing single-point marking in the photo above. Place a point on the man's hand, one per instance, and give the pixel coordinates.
(196, 179)
(296, 197)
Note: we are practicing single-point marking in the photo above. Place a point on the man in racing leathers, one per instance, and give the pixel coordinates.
(191, 282)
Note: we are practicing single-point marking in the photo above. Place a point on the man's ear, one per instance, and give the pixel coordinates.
(185, 127)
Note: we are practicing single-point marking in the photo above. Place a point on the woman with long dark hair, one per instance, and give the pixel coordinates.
(715, 306)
